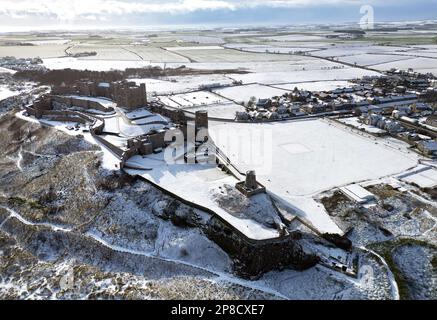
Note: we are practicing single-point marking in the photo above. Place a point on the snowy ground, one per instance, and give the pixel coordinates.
(198, 98)
(297, 160)
(372, 59)
(6, 93)
(355, 123)
(422, 65)
(181, 84)
(195, 183)
(6, 70)
(303, 75)
(93, 65)
(244, 93)
(220, 111)
(422, 176)
(331, 155)
(107, 103)
(315, 85)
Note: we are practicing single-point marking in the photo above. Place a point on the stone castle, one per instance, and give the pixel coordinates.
(126, 94)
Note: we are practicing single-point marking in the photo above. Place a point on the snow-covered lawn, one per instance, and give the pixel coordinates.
(6, 70)
(297, 160)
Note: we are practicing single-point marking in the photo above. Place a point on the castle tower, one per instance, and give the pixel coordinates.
(201, 123)
(250, 182)
(143, 94)
(201, 120)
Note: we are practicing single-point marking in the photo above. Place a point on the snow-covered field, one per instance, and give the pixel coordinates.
(48, 42)
(295, 37)
(284, 77)
(357, 49)
(355, 123)
(194, 48)
(244, 93)
(372, 59)
(208, 55)
(195, 183)
(299, 159)
(308, 157)
(315, 85)
(263, 48)
(180, 84)
(422, 65)
(198, 98)
(220, 111)
(107, 103)
(422, 176)
(42, 51)
(93, 65)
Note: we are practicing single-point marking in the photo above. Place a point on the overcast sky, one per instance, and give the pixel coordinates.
(108, 13)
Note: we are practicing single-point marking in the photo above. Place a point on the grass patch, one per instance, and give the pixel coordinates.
(26, 202)
(333, 202)
(383, 191)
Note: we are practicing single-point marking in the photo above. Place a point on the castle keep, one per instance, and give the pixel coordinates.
(125, 93)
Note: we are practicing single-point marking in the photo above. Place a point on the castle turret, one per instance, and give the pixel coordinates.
(143, 94)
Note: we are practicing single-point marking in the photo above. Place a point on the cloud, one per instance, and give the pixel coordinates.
(102, 9)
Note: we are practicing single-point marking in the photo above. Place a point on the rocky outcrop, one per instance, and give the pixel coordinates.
(254, 258)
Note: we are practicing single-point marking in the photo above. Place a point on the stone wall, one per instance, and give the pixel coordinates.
(126, 94)
(254, 258)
